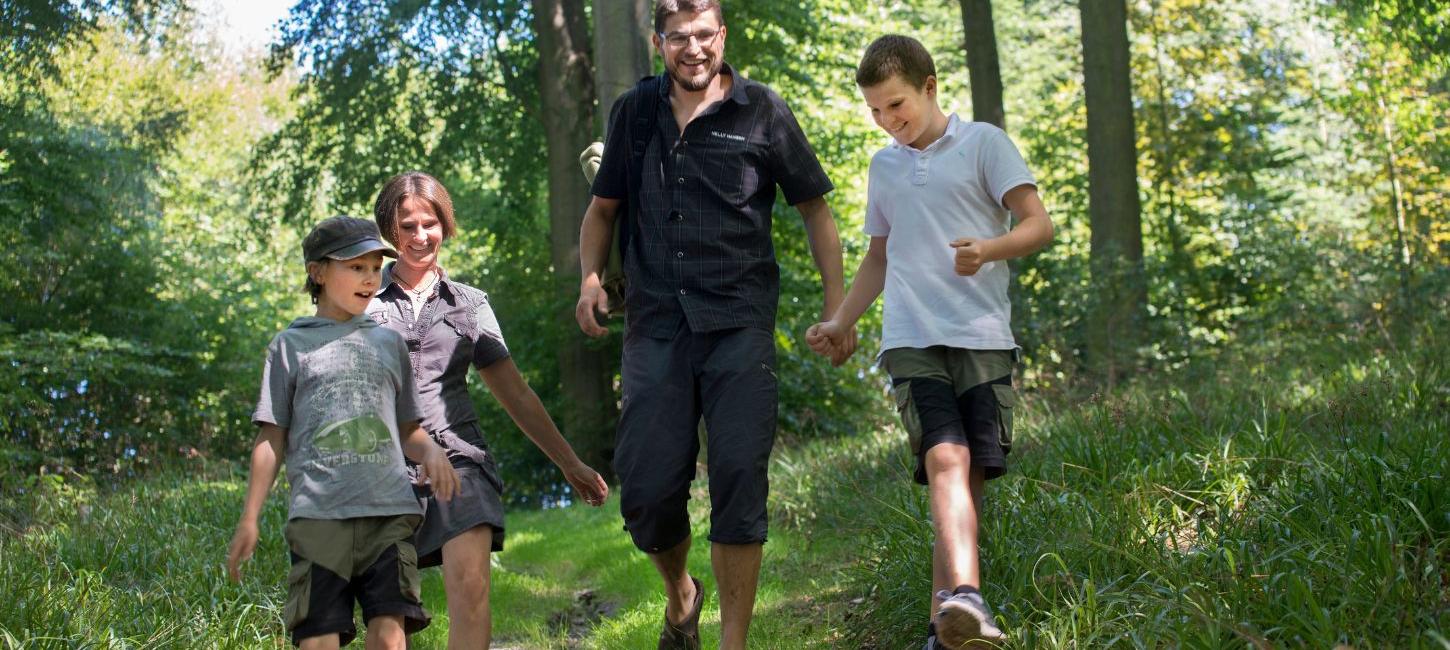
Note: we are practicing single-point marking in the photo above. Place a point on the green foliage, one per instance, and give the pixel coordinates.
(1289, 492)
(140, 567)
(138, 311)
(88, 401)
(156, 188)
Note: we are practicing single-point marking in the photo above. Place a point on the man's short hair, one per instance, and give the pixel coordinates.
(420, 186)
(666, 8)
(894, 54)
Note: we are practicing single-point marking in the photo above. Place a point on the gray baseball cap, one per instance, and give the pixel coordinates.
(343, 238)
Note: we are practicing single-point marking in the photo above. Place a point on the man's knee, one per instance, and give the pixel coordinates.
(657, 519)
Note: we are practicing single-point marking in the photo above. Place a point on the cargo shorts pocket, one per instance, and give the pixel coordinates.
(910, 418)
(409, 583)
(299, 593)
(1006, 400)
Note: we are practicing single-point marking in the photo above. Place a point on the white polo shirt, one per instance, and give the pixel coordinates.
(921, 201)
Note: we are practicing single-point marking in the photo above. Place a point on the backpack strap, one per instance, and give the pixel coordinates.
(641, 132)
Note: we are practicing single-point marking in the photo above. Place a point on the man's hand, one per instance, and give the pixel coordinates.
(587, 483)
(437, 471)
(830, 339)
(971, 254)
(593, 302)
(244, 541)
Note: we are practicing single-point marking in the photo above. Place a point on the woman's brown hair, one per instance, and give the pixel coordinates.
(417, 185)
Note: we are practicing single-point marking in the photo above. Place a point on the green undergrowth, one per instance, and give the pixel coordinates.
(1292, 494)
(1289, 493)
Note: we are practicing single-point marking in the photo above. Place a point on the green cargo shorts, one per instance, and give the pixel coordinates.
(946, 394)
(336, 561)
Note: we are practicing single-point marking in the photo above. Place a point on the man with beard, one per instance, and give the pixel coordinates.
(701, 302)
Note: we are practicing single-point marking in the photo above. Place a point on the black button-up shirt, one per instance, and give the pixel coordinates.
(700, 248)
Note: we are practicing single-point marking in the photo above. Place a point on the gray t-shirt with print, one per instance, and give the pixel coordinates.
(340, 388)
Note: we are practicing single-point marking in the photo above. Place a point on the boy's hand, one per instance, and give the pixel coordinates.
(971, 254)
(244, 541)
(587, 483)
(437, 471)
(830, 339)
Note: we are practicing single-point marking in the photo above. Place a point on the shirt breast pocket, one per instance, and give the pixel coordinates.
(460, 332)
(733, 168)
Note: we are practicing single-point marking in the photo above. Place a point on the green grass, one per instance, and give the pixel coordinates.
(1289, 493)
(1296, 498)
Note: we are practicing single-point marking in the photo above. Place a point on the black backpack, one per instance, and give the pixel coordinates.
(645, 109)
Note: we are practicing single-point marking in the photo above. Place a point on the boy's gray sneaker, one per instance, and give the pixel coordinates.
(964, 618)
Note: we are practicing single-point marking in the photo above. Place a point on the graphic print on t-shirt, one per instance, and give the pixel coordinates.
(347, 404)
(360, 435)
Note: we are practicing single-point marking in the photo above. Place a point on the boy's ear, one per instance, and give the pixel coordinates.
(930, 86)
(314, 271)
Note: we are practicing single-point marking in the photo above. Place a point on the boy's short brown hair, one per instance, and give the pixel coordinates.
(419, 186)
(666, 8)
(892, 55)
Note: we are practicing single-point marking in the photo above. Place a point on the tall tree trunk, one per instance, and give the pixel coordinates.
(1397, 202)
(982, 66)
(566, 95)
(621, 50)
(1119, 313)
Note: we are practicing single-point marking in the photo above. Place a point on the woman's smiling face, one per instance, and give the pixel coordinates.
(420, 233)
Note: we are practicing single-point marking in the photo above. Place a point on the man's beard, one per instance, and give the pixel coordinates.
(703, 82)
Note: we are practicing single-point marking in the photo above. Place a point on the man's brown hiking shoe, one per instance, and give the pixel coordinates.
(687, 635)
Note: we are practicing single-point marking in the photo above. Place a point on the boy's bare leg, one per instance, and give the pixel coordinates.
(466, 582)
(324, 642)
(386, 633)
(955, 488)
(737, 571)
(679, 589)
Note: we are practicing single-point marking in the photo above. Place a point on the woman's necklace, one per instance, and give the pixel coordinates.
(418, 295)
(424, 284)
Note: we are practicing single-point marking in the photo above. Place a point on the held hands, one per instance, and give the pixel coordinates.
(593, 303)
(829, 339)
(971, 254)
(244, 541)
(587, 483)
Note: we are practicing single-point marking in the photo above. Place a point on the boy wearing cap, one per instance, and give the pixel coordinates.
(339, 403)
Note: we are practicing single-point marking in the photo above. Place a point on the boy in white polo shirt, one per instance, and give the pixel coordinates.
(937, 211)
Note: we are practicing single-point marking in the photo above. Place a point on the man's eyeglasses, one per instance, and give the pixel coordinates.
(682, 39)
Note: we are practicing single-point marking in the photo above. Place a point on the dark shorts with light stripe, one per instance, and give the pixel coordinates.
(728, 378)
(336, 562)
(958, 396)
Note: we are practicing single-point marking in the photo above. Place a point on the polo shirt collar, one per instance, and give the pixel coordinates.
(954, 130)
